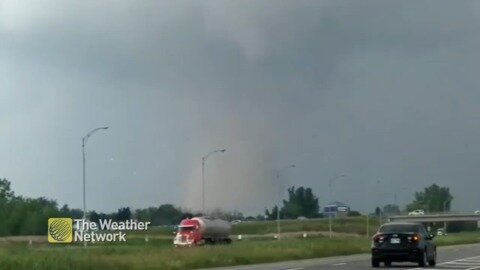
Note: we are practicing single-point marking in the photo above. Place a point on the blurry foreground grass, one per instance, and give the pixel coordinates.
(159, 253)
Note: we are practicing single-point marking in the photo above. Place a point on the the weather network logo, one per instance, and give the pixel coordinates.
(60, 230)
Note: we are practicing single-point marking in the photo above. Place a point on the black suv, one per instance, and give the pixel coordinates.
(403, 242)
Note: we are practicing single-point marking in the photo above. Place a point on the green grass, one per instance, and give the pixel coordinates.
(159, 253)
(155, 231)
(356, 225)
(458, 238)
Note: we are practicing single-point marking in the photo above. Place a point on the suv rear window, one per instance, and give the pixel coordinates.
(399, 228)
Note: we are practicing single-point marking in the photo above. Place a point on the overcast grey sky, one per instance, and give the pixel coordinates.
(378, 90)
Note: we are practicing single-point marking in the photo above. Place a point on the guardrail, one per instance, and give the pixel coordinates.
(438, 217)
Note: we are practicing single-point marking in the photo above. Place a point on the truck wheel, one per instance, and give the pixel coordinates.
(422, 262)
(433, 260)
(375, 263)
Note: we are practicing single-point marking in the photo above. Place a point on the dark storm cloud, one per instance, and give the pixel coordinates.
(373, 89)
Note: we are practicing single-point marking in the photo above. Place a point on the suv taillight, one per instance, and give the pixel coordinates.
(414, 238)
(379, 238)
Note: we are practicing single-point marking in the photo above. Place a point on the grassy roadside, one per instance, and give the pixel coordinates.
(159, 254)
(354, 225)
(458, 239)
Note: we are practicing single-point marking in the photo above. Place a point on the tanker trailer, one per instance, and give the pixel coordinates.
(202, 230)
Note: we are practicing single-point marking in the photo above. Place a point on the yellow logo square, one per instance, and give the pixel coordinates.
(60, 230)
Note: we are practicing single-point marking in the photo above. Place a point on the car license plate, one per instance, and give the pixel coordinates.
(395, 241)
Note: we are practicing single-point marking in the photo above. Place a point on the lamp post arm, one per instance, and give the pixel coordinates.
(89, 134)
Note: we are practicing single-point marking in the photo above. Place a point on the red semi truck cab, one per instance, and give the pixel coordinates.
(188, 233)
(202, 230)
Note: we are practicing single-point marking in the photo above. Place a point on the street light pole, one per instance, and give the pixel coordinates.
(368, 216)
(445, 205)
(330, 182)
(203, 186)
(84, 143)
(278, 208)
(368, 225)
(204, 159)
(448, 200)
(280, 198)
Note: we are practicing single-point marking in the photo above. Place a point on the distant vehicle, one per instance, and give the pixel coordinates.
(201, 231)
(236, 222)
(302, 218)
(417, 212)
(441, 231)
(403, 242)
(477, 212)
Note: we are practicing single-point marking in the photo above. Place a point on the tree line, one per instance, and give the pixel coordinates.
(433, 198)
(301, 202)
(27, 216)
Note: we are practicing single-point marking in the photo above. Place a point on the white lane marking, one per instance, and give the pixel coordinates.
(464, 263)
(455, 264)
(339, 264)
(298, 268)
(451, 267)
(469, 258)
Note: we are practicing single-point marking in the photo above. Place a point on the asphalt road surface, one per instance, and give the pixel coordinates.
(466, 257)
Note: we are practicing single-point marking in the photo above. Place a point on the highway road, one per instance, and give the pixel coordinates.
(466, 257)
